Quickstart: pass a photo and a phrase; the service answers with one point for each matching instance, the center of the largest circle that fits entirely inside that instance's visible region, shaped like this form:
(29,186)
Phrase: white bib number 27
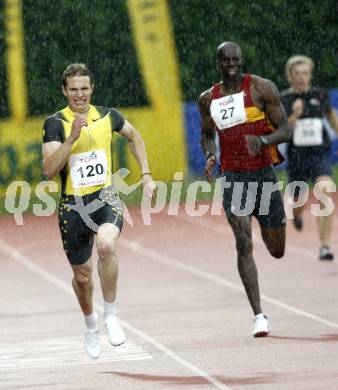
(228,111)
(88,169)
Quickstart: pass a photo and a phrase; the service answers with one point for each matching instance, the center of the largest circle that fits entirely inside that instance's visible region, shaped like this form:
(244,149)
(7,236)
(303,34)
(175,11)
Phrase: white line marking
(171,262)
(57,352)
(23,260)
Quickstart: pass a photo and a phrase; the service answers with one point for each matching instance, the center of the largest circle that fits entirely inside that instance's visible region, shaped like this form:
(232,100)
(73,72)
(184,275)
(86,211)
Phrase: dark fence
(98,33)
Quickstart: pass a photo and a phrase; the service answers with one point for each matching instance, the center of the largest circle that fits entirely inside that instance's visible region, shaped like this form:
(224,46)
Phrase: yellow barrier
(161,124)
(15,59)
(20,151)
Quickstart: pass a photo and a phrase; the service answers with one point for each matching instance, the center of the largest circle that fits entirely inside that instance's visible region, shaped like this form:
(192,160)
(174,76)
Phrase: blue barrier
(196,159)
(334,148)
(334,98)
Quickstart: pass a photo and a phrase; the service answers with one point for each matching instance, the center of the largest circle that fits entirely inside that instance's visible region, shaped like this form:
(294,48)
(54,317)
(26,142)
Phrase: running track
(181,302)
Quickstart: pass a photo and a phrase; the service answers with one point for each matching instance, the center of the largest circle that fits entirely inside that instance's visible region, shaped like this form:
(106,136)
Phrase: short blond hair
(296,60)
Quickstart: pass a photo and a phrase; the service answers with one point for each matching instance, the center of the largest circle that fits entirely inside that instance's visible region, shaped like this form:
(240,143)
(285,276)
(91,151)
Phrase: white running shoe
(261,326)
(115,332)
(92,343)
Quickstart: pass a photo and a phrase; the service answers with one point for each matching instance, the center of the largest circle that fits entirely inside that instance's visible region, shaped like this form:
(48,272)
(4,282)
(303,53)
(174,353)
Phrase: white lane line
(172,262)
(61,351)
(29,264)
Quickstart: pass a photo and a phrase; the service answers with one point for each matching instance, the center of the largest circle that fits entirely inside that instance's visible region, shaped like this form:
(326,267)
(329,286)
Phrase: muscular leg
(107,264)
(83,286)
(298,211)
(297,200)
(108,271)
(241,227)
(324,223)
(274,240)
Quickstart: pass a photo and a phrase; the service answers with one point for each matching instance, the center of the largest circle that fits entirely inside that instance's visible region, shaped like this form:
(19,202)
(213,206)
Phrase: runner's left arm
(333,119)
(138,149)
(273,107)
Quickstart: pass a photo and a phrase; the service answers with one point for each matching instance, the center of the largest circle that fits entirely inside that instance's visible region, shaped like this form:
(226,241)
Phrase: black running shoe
(325,253)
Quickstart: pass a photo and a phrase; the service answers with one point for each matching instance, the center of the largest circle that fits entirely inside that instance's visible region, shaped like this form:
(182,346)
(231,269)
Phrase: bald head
(230,61)
(227,47)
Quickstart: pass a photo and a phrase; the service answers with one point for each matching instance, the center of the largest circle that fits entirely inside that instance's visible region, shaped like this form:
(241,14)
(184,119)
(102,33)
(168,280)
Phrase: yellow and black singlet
(89,166)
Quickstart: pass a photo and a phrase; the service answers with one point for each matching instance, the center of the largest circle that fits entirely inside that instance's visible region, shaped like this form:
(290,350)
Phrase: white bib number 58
(308,132)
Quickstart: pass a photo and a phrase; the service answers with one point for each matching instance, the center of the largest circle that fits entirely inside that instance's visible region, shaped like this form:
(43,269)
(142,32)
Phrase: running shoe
(298,222)
(115,332)
(325,253)
(92,342)
(261,326)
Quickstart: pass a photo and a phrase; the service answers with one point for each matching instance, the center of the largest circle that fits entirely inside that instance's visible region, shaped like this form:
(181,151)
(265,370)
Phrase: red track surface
(187,319)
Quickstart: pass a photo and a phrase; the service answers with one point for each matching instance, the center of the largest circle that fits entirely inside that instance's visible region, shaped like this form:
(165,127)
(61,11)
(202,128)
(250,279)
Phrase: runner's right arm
(55,153)
(207,133)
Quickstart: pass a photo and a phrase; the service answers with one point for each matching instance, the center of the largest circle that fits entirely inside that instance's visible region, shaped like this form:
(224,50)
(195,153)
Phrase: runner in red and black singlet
(234,153)
(246,113)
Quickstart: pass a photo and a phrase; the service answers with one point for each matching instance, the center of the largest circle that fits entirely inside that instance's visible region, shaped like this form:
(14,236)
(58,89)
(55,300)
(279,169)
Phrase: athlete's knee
(274,240)
(105,249)
(277,251)
(106,241)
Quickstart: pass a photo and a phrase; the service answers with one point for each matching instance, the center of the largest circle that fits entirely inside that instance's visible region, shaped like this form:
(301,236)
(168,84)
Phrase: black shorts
(81,216)
(251,193)
(306,166)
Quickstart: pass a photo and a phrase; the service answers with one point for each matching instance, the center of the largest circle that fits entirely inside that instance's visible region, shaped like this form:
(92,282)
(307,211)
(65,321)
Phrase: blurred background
(151,59)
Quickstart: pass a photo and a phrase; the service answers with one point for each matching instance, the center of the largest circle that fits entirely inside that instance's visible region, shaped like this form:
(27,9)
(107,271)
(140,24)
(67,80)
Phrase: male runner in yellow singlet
(77,145)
